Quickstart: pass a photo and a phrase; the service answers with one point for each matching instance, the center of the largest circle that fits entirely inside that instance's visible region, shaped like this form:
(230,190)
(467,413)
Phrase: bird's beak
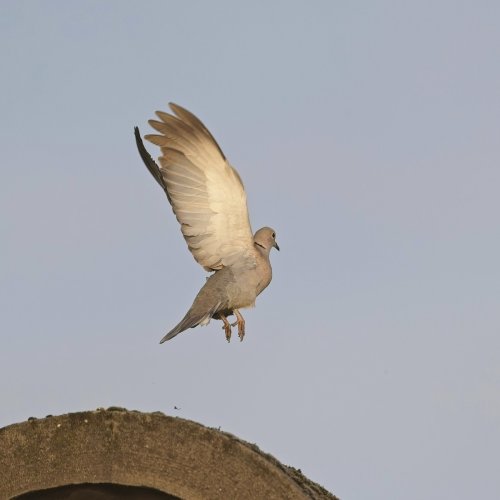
(276,246)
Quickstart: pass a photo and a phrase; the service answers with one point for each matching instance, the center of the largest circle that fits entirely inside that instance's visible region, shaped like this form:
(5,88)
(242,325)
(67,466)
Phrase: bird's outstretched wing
(206,193)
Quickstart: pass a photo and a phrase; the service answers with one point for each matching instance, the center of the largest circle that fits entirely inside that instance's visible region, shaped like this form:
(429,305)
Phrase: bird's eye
(274,235)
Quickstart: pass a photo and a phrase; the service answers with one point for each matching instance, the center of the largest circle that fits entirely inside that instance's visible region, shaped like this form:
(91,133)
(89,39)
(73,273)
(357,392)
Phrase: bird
(209,201)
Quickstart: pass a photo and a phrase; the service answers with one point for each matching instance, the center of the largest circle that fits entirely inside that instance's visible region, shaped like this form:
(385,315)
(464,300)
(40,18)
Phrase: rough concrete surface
(116,448)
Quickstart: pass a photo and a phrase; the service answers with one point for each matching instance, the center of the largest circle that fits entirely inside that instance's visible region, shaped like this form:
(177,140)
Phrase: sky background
(367,134)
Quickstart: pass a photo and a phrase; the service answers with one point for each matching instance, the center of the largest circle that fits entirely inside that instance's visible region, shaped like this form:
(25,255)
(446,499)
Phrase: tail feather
(190,320)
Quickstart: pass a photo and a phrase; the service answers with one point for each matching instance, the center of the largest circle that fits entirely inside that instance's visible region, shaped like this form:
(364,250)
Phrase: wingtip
(176,109)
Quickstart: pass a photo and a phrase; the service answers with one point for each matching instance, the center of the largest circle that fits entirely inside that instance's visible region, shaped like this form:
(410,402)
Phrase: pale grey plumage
(209,201)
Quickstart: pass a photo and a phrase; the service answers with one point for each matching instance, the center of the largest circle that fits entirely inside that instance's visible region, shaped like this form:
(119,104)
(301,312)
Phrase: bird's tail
(190,320)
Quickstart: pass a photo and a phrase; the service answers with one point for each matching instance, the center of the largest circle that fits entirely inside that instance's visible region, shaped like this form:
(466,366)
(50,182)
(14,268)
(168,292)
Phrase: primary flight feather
(209,201)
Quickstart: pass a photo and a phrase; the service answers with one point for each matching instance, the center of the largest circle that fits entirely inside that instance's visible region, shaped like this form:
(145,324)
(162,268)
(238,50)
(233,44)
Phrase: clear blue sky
(367,133)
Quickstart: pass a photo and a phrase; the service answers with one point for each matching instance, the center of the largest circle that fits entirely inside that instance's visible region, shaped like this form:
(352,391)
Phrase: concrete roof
(168,454)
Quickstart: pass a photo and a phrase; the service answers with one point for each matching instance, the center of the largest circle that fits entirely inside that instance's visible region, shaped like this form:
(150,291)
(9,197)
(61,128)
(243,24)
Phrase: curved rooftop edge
(171,455)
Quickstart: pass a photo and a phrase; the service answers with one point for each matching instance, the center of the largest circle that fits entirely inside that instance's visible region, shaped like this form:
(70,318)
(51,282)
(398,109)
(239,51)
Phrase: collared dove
(209,201)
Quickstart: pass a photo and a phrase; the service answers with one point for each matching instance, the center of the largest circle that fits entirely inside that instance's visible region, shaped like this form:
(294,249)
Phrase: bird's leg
(226,327)
(241,324)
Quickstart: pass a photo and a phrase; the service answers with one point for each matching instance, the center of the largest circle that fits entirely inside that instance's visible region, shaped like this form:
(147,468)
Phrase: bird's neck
(262,250)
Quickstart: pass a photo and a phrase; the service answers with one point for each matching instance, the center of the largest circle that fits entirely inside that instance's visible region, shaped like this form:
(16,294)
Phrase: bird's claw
(226,327)
(241,324)
(241,329)
(227,331)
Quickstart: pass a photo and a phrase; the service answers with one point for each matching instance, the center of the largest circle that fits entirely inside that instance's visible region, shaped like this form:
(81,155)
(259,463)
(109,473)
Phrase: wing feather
(206,193)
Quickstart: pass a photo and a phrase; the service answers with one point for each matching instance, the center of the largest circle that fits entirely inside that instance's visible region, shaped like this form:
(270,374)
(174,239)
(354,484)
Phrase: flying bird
(209,201)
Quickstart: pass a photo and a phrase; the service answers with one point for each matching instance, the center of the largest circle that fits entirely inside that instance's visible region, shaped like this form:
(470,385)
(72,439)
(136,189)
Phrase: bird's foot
(241,324)
(227,331)
(226,327)
(241,329)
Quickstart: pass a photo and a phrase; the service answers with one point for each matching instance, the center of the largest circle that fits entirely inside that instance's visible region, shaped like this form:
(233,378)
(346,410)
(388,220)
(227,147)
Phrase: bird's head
(265,237)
